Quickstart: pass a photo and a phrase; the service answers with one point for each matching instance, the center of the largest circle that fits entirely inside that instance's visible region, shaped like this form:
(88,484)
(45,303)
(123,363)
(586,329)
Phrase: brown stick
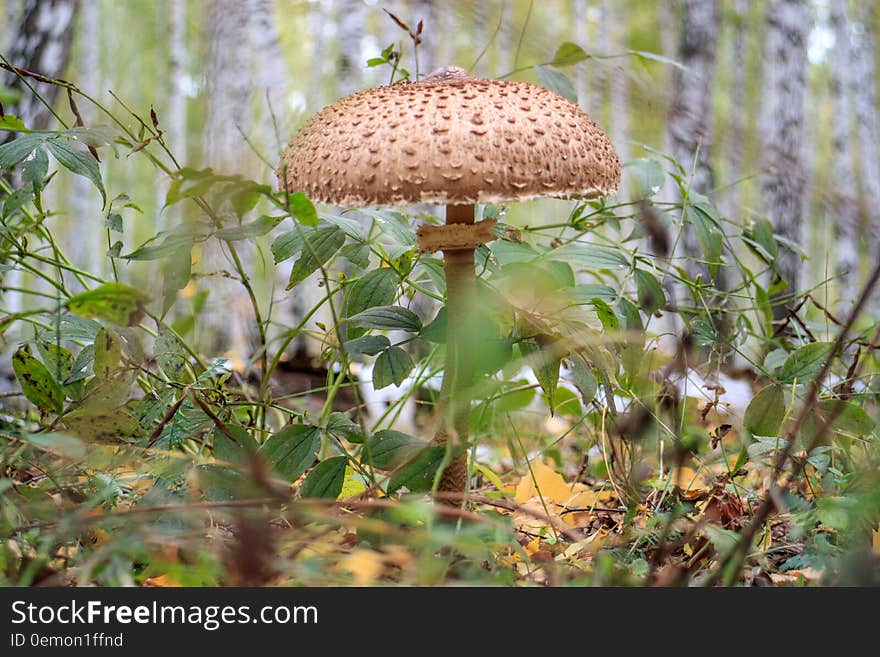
(455,403)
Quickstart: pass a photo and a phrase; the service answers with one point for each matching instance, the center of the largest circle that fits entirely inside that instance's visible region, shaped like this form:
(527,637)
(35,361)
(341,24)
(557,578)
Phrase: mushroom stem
(455,393)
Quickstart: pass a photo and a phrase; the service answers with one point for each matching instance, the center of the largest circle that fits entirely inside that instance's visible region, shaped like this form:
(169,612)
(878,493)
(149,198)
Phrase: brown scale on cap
(451,138)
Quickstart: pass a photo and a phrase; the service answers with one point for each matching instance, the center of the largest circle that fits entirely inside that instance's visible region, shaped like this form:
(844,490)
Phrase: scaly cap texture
(451,138)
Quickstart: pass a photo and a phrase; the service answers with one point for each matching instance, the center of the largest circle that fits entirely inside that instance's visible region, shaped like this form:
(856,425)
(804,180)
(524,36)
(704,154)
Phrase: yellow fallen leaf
(365,565)
(532,546)
(547,484)
(162,581)
(875,535)
(794,576)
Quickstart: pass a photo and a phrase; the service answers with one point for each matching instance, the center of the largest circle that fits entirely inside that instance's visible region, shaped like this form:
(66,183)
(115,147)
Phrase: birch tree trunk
(785,93)
(41,41)
(868,130)
(351,20)
(227,313)
(844,210)
(689,124)
(732,200)
(88,232)
(613,24)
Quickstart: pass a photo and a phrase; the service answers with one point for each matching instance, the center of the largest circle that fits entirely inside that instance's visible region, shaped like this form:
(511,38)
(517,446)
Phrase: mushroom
(453,139)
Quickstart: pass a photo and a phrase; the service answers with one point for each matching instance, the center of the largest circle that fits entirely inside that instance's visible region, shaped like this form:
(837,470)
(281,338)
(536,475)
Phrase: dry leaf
(795,576)
(875,536)
(165,581)
(365,565)
(550,485)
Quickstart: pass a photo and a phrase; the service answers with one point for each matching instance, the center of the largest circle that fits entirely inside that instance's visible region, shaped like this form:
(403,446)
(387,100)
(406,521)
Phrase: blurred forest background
(770,105)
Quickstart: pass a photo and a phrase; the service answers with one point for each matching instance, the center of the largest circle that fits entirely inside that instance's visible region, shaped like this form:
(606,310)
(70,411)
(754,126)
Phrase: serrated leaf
(326,479)
(37,384)
(292,450)
(387,318)
(392,366)
(766,411)
(112,302)
(555,81)
(418,474)
(805,363)
(388,449)
(78,161)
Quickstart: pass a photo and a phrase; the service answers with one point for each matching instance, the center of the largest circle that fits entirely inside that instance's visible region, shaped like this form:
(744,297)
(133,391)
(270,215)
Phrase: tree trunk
(228,77)
(41,43)
(613,23)
(351,20)
(690,125)
(785,92)
(732,201)
(844,210)
(868,130)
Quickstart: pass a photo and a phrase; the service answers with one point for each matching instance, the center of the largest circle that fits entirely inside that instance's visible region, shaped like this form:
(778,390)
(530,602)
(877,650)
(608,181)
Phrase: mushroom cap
(451,138)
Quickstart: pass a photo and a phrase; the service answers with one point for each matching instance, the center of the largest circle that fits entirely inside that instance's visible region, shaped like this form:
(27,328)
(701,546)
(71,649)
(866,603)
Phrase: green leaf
(388,318)
(388,449)
(590,256)
(234,451)
(303,209)
(569,53)
(367,344)
(58,360)
(647,177)
(103,426)
(12,123)
(319,246)
(164,244)
(418,474)
(375,288)
(112,302)
(326,479)
(286,245)
(37,384)
(605,313)
(340,424)
(170,356)
(392,366)
(79,161)
(35,168)
(190,183)
(759,236)
(16,150)
(805,363)
(709,235)
(557,82)
(292,450)
(16,200)
(108,353)
(766,411)
(650,292)
(357,254)
(584,379)
(849,418)
(257,228)
(545,368)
